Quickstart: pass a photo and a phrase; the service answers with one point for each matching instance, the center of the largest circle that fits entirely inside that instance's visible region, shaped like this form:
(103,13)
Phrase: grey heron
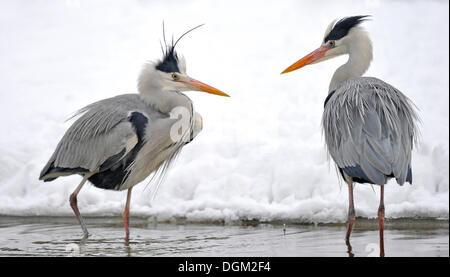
(369,126)
(117,142)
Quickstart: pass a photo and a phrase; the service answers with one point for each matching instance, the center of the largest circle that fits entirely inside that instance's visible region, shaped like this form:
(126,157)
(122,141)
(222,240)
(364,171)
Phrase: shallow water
(61,236)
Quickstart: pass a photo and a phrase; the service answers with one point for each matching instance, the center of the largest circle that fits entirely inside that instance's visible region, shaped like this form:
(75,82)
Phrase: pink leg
(351,216)
(126,214)
(381,221)
(73,204)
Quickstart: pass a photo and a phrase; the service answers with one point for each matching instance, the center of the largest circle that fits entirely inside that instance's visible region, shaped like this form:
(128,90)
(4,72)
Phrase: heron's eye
(175,77)
(332,43)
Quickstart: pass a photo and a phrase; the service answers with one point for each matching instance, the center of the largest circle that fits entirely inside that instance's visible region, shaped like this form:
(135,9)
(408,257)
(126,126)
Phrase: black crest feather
(343,26)
(169,62)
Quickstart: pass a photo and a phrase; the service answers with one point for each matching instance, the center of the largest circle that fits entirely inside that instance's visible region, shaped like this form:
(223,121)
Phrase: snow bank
(261,154)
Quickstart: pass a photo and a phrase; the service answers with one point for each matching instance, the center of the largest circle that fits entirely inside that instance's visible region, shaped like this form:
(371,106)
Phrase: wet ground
(61,236)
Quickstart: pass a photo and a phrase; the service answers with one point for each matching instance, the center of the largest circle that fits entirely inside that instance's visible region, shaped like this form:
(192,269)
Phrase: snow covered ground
(261,154)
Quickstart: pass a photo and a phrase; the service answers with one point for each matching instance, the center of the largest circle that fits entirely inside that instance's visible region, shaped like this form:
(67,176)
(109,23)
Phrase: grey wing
(369,131)
(93,143)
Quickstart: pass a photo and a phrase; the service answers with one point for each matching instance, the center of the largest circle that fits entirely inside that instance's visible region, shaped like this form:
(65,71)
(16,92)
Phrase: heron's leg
(381,221)
(351,214)
(73,204)
(126,213)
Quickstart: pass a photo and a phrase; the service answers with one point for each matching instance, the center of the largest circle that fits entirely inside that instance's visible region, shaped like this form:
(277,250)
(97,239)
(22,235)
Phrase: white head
(161,82)
(169,75)
(342,37)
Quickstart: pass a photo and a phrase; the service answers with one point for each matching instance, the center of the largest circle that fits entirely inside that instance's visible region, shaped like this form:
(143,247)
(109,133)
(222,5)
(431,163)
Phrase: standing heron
(117,142)
(369,125)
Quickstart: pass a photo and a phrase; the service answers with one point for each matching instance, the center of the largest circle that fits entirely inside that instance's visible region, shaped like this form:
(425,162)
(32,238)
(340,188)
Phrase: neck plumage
(360,55)
(154,94)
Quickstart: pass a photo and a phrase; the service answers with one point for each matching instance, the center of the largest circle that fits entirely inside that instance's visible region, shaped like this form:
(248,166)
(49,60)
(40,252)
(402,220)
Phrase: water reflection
(108,239)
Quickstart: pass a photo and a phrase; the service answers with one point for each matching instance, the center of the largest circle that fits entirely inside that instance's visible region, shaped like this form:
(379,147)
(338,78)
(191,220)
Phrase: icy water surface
(61,236)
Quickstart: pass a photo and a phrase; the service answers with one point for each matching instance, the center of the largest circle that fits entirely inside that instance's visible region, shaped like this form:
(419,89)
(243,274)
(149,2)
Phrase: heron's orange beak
(204,87)
(308,59)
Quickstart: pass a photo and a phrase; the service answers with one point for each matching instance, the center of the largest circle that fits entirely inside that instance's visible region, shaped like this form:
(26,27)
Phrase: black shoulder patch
(343,26)
(139,122)
(169,63)
(114,171)
(328,98)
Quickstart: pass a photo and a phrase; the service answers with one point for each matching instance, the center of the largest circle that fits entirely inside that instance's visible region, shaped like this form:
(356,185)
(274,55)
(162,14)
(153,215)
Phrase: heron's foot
(349,248)
(126,223)
(84,237)
(350,222)
(127,246)
(127,240)
(381,222)
(381,226)
(83,240)
(381,244)
(127,237)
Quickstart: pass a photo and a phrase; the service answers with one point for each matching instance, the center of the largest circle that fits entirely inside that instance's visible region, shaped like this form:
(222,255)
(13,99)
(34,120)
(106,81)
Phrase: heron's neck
(166,101)
(360,56)
(155,95)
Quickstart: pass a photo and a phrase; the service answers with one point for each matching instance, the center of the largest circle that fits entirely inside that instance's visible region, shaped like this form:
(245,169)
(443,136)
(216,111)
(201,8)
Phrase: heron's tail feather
(50,172)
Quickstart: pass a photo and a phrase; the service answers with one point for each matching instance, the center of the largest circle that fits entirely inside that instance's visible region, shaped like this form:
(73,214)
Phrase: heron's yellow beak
(203,87)
(312,57)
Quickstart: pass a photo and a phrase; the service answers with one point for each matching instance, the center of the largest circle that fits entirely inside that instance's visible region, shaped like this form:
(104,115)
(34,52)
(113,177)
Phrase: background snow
(261,154)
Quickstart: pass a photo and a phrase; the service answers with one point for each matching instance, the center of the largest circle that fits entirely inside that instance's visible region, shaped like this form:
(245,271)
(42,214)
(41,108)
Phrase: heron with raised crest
(118,142)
